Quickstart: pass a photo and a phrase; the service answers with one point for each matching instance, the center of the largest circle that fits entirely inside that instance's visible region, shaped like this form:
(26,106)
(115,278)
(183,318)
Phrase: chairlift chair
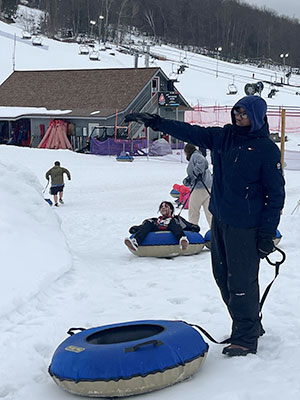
(84,49)
(37,41)
(232,89)
(26,35)
(94,56)
(272,92)
(181,69)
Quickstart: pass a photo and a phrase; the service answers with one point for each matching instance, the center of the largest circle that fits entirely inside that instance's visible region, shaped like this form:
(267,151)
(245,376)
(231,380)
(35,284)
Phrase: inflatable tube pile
(128,358)
(164,244)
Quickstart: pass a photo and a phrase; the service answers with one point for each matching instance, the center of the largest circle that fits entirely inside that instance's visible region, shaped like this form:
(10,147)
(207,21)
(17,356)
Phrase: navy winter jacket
(248,186)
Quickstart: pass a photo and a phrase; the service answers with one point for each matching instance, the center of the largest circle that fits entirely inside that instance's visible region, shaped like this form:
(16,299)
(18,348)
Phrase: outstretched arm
(193,134)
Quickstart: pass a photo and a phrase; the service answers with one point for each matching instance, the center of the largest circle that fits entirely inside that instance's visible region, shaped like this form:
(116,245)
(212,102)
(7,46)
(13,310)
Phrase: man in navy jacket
(246,200)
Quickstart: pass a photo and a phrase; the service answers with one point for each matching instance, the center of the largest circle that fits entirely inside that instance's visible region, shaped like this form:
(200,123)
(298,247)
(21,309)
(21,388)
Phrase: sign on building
(168,99)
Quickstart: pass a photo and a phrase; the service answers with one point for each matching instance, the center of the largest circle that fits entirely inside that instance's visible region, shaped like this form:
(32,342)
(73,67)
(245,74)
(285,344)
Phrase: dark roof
(83,91)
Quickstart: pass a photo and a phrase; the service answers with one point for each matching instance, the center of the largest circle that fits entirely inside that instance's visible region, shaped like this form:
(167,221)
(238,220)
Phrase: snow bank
(30,236)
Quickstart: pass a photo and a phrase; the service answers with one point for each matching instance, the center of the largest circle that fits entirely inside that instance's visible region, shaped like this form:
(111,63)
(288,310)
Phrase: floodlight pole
(92,23)
(284,56)
(100,19)
(219,49)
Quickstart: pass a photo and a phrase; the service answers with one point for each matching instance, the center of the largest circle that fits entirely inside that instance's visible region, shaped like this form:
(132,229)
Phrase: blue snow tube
(207,239)
(277,238)
(125,158)
(164,244)
(128,358)
(174,193)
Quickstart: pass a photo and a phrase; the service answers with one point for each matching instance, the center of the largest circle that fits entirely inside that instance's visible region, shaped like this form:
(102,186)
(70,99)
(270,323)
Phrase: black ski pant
(150,226)
(235,263)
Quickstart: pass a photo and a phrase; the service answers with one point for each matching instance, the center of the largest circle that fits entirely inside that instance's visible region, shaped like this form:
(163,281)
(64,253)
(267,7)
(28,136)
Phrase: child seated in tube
(167,221)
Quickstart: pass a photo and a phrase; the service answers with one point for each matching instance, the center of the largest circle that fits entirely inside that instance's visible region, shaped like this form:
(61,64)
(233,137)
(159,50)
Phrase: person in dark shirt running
(57,181)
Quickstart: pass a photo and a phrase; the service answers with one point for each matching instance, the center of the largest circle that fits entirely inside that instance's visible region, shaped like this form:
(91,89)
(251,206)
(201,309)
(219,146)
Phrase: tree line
(239,29)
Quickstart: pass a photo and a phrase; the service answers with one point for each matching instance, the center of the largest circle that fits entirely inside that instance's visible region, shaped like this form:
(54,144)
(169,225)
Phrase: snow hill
(197,83)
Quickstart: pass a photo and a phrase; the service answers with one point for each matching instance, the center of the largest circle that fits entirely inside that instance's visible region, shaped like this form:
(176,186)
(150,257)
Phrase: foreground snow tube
(164,244)
(276,240)
(128,358)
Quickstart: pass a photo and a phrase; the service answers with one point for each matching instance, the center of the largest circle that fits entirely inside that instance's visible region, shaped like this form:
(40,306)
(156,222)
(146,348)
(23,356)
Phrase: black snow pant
(150,226)
(235,263)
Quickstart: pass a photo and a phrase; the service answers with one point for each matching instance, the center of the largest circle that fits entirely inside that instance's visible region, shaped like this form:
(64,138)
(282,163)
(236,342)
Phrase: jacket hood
(256,109)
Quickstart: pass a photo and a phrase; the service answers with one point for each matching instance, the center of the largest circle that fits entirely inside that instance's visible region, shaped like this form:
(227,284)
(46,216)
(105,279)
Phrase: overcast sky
(291,8)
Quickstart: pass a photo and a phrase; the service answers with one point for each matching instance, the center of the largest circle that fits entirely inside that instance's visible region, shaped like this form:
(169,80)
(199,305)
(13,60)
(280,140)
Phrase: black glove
(149,120)
(134,229)
(265,244)
(187,181)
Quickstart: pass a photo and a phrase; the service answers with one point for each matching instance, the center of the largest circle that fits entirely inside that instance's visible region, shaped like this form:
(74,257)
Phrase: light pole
(284,56)
(92,22)
(219,49)
(100,26)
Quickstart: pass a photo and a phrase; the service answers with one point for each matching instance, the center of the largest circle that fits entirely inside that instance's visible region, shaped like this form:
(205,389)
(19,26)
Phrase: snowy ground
(68,267)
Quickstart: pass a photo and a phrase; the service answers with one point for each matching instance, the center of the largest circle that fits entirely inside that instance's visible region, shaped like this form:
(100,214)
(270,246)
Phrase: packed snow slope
(68,267)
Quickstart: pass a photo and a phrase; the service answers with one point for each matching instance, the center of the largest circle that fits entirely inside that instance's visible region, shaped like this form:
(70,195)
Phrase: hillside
(204,81)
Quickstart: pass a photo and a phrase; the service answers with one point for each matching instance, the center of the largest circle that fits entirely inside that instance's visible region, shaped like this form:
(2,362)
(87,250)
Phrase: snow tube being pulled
(128,358)
(164,244)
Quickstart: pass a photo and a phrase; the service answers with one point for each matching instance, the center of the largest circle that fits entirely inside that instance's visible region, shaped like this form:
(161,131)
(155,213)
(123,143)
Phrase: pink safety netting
(220,115)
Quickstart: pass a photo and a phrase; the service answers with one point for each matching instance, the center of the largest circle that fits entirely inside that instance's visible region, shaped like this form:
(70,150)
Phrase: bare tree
(120,13)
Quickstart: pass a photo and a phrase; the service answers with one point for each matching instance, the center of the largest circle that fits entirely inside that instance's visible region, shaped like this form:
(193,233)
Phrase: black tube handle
(71,330)
(277,262)
(155,343)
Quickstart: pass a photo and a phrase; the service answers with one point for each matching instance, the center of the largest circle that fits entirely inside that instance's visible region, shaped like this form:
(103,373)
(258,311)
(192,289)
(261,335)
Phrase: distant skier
(57,181)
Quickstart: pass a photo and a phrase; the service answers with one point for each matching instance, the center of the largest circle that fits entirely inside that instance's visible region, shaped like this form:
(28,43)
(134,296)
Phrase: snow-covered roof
(17,112)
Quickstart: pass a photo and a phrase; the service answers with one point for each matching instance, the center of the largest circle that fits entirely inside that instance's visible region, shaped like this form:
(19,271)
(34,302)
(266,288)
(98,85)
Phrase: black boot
(237,351)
